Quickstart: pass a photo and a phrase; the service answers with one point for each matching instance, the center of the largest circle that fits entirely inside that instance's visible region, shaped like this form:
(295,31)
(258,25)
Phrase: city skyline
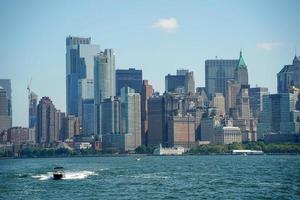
(172,42)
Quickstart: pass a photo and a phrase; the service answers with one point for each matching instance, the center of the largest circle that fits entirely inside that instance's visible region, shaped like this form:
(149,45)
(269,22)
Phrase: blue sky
(156,36)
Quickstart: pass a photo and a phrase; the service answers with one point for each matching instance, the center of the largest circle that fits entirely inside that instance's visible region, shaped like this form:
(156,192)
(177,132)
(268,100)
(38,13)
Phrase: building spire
(241,63)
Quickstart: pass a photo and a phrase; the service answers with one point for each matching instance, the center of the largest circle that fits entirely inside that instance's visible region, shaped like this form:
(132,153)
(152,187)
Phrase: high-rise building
(147,92)
(79,65)
(156,120)
(241,71)
(256,100)
(46,122)
(33,101)
(6,85)
(111,112)
(217,73)
(189,83)
(88,117)
(183,82)
(85,92)
(279,115)
(289,76)
(60,125)
(232,91)
(72,126)
(131,114)
(219,103)
(182,72)
(181,131)
(242,103)
(131,77)
(104,82)
(174,83)
(5,117)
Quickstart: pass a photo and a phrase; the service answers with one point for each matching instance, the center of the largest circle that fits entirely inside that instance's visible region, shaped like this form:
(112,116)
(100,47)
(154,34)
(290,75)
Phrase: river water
(153,177)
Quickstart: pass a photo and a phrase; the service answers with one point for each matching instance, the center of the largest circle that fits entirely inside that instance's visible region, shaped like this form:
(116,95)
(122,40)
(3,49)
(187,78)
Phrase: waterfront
(153,177)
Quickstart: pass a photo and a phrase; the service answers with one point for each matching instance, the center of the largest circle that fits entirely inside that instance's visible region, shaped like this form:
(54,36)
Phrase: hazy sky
(155,36)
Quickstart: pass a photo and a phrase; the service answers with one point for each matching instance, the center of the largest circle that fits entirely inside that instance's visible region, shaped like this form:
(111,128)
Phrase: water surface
(153,177)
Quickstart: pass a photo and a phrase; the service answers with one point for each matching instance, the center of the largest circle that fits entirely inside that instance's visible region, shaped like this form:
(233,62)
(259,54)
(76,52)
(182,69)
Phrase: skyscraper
(219,103)
(256,100)
(289,76)
(131,114)
(88,117)
(131,77)
(104,82)
(217,73)
(242,103)
(147,92)
(241,71)
(33,101)
(183,82)
(46,122)
(189,83)
(111,109)
(5,118)
(6,85)
(279,115)
(79,65)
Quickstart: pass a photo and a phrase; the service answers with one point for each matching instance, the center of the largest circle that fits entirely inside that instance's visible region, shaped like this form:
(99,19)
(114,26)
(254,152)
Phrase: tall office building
(289,76)
(279,115)
(72,126)
(232,91)
(5,117)
(256,100)
(104,82)
(241,71)
(111,110)
(79,65)
(85,92)
(147,92)
(174,83)
(217,73)
(46,122)
(156,120)
(181,131)
(181,72)
(6,85)
(243,103)
(131,77)
(183,82)
(59,125)
(189,83)
(219,103)
(88,117)
(131,114)
(33,101)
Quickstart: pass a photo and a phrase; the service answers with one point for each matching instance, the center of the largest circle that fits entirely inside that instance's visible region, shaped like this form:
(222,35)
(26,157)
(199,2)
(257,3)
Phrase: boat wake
(69,175)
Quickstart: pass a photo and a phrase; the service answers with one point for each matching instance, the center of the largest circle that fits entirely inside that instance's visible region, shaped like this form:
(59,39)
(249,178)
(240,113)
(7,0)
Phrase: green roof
(242,63)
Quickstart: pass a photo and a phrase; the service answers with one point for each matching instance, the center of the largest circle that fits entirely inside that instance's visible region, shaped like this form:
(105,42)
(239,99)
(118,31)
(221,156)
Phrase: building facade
(217,73)
(46,122)
(104,82)
(131,77)
(289,76)
(147,92)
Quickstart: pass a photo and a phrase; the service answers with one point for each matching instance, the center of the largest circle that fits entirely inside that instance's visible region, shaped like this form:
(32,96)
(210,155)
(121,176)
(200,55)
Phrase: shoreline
(144,155)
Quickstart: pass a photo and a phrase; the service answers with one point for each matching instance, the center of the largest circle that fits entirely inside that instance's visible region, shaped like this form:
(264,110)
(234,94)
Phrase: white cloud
(268,46)
(169,24)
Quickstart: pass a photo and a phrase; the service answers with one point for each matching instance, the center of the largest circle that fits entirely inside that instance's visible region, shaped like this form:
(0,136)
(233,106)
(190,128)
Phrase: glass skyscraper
(131,77)
(104,82)
(79,65)
(217,73)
